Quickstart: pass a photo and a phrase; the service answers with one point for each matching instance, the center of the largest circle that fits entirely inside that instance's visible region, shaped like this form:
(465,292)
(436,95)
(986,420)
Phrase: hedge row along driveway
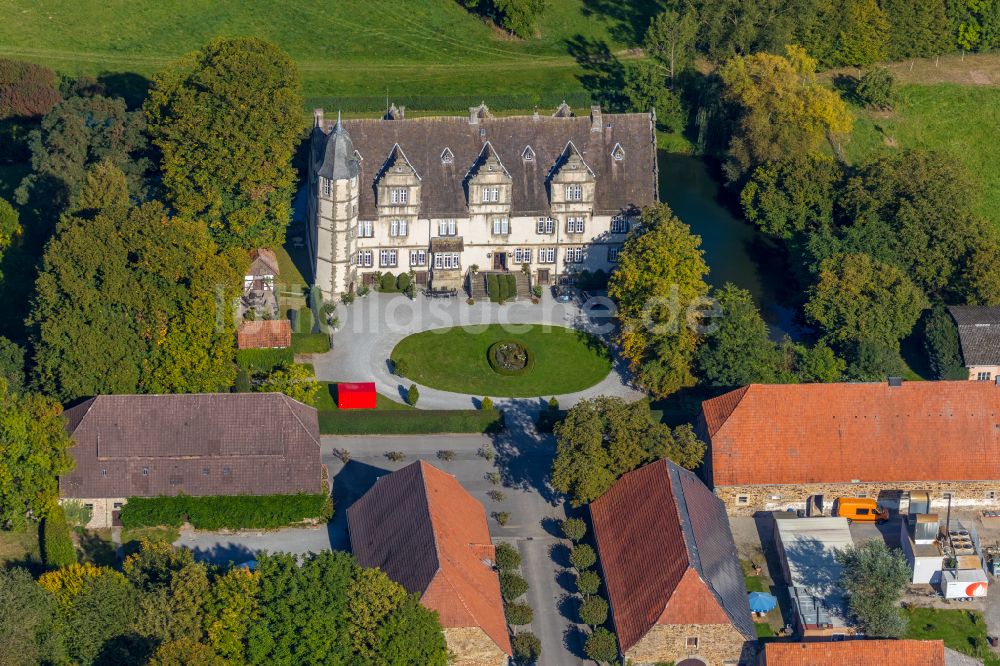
(455,359)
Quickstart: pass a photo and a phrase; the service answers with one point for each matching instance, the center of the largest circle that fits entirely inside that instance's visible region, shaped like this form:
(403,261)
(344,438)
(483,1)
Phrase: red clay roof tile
(856,653)
(266,334)
(842,433)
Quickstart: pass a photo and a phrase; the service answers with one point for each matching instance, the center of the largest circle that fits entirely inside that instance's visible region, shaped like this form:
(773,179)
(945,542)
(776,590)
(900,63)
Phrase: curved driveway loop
(372,326)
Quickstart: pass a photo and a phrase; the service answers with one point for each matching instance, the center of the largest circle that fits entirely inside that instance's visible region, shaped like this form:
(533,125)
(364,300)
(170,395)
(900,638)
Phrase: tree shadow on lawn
(629,20)
(603,74)
(350,483)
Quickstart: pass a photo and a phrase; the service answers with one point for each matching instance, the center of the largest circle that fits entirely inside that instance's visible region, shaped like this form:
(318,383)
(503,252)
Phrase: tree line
(165,609)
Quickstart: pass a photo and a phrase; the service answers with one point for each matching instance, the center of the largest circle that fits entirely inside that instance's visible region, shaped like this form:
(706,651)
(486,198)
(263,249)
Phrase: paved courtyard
(372,326)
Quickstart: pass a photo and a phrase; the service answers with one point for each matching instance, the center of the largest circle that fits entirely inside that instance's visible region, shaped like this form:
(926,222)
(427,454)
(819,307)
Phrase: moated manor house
(437,196)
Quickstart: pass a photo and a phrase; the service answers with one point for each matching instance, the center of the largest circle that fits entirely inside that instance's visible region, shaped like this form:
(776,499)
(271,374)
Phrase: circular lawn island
(491,360)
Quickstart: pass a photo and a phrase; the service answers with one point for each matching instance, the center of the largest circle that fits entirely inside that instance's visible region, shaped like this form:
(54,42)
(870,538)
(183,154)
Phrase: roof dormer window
(447,157)
(528,155)
(618,153)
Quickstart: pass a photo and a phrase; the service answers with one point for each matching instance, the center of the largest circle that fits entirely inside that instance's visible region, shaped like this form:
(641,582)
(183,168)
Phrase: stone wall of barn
(747,500)
(714,644)
(471,646)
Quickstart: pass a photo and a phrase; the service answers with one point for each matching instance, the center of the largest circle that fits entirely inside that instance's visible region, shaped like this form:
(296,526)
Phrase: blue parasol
(762,602)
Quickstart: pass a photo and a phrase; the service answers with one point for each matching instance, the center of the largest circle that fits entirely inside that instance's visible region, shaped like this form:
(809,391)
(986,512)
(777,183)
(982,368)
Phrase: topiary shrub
(412,395)
(305,320)
(486,403)
(583,557)
(512,585)
(588,582)
(403,282)
(602,646)
(518,613)
(553,404)
(57,547)
(527,647)
(574,529)
(493,288)
(507,557)
(399,367)
(511,286)
(387,283)
(593,611)
(242,384)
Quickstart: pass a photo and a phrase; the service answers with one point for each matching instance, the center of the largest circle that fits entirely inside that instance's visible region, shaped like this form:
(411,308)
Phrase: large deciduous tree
(917,29)
(738,350)
(792,196)
(859,298)
(781,108)
(670,40)
(226,119)
(132,300)
(874,578)
(601,439)
(27,632)
(33,453)
(658,281)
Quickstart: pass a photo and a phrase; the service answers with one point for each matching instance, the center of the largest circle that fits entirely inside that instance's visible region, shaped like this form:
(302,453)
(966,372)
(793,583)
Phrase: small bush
(403,282)
(225,511)
(242,383)
(518,613)
(527,647)
(512,585)
(387,283)
(412,395)
(602,646)
(363,290)
(77,514)
(446,455)
(57,547)
(574,529)
(305,320)
(507,557)
(486,451)
(877,89)
(395,456)
(502,517)
(329,309)
(588,582)
(593,611)
(553,404)
(343,455)
(537,291)
(497,495)
(583,557)
(486,403)
(494,478)
(348,297)
(399,367)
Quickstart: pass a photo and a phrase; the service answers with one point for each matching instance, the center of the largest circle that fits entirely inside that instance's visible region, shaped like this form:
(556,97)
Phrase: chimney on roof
(595,118)
(318,117)
(895,381)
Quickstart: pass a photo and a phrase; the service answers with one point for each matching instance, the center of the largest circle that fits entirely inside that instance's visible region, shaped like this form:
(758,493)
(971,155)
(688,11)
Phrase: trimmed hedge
(232,512)
(387,283)
(499,369)
(409,422)
(264,360)
(57,547)
(511,282)
(310,343)
(403,281)
(493,288)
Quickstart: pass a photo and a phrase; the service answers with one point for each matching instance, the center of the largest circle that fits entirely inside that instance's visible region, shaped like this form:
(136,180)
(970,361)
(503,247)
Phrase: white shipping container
(964,583)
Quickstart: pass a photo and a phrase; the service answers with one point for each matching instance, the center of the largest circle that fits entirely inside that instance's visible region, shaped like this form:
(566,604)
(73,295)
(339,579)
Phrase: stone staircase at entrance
(477,284)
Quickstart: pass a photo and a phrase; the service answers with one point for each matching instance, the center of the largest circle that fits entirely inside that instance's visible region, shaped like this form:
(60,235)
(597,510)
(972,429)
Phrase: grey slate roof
(339,161)
(978,333)
(710,545)
(249,444)
(620,184)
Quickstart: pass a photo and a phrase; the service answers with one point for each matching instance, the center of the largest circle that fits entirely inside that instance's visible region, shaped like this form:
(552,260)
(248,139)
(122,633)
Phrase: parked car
(860,510)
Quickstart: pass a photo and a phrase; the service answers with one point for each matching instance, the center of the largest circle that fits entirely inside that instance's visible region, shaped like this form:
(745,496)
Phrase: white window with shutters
(418,257)
(327,187)
(613,254)
(490,194)
(501,226)
(399,195)
(619,224)
(574,193)
(545,225)
(574,255)
(398,228)
(387,258)
(447,228)
(365,258)
(366,229)
(574,225)
(547,255)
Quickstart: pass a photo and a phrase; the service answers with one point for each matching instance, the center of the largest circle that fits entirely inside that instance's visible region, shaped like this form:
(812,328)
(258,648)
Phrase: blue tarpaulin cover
(762,602)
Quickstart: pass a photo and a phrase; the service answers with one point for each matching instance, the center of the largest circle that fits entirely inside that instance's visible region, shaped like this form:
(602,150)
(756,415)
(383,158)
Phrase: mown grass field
(429,54)
(961,630)
(961,120)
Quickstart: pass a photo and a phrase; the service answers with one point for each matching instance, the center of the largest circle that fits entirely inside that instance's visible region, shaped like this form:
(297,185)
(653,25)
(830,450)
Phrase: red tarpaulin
(357,395)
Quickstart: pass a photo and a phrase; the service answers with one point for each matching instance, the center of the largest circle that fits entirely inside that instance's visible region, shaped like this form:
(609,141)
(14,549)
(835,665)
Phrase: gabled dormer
(571,182)
(397,185)
(488,183)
